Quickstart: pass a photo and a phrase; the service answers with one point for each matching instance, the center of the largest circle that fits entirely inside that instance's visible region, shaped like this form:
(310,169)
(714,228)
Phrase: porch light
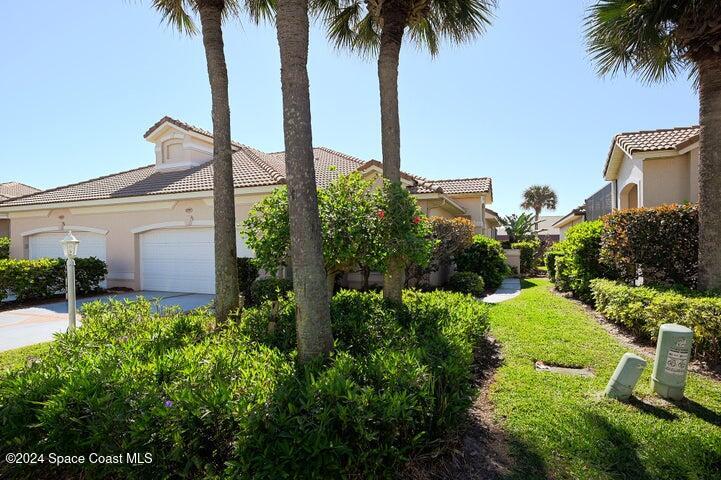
(70,249)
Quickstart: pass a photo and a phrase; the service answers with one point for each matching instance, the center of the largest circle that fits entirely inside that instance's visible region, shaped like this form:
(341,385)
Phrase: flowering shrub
(660,244)
(45,277)
(644,309)
(486,258)
(233,403)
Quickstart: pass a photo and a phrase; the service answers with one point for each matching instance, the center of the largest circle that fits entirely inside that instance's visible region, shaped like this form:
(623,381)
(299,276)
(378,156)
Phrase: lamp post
(70,249)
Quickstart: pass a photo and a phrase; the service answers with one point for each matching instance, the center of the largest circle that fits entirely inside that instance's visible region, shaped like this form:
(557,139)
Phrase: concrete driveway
(27,326)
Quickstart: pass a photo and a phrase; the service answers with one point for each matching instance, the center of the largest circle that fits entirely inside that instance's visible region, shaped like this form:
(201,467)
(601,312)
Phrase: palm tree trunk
(710,174)
(226,270)
(313,326)
(388,58)
(538,218)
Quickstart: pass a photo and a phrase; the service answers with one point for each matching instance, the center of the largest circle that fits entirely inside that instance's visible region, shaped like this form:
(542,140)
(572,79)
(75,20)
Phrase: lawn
(562,427)
(18,357)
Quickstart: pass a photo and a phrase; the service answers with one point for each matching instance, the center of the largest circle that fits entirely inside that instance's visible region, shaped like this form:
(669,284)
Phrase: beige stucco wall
(562,230)
(122,245)
(4,227)
(666,180)
(694,156)
(630,172)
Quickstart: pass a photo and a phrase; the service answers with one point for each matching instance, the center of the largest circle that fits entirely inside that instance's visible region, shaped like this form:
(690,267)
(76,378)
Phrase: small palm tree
(518,227)
(657,39)
(538,197)
(179,14)
(378,27)
(313,325)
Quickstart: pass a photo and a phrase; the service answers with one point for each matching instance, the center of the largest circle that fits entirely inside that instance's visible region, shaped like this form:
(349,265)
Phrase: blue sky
(81,81)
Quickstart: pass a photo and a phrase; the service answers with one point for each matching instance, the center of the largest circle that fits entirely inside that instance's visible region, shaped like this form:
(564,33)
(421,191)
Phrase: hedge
(269,288)
(644,309)
(45,277)
(233,402)
(659,244)
(486,258)
(466,282)
(577,261)
(4,248)
(529,252)
(247,274)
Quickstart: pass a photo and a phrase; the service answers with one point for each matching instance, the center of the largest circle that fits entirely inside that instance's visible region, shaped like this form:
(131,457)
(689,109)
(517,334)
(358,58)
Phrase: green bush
(550,260)
(577,262)
(486,258)
(232,403)
(660,244)
(529,251)
(466,282)
(269,288)
(4,248)
(644,309)
(247,274)
(45,277)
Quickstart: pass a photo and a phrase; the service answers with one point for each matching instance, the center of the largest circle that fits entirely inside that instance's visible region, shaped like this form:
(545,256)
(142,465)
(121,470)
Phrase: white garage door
(44,245)
(180,259)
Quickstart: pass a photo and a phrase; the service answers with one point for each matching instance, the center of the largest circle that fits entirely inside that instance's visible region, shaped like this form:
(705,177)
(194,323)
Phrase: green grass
(18,357)
(562,427)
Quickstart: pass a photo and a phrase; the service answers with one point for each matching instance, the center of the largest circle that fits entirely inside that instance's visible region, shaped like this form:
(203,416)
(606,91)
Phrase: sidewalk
(510,288)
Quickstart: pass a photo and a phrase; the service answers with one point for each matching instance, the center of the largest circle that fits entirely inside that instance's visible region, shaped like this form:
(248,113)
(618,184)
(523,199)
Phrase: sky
(81,81)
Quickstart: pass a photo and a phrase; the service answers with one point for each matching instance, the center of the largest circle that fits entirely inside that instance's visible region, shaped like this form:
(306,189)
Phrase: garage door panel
(47,245)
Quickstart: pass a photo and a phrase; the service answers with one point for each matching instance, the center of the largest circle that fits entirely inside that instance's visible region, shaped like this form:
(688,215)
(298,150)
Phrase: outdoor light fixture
(70,249)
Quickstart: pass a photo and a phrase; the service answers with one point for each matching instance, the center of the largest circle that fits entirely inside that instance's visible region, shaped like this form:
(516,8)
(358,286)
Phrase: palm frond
(176,14)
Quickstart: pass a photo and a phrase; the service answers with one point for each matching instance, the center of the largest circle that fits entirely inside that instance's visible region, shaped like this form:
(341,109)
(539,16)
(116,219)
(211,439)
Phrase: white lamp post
(70,249)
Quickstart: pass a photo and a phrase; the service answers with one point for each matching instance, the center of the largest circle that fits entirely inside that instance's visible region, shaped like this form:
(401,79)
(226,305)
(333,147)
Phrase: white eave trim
(65,228)
(175,224)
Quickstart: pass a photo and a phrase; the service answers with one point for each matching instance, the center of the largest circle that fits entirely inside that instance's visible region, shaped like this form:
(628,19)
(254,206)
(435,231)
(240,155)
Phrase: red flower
(416,220)
(381,214)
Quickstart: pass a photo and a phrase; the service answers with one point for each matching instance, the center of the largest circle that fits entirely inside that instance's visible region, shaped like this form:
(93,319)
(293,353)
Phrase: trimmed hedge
(660,244)
(486,258)
(644,309)
(577,261)
(550,260)
(4,248)
(45,277)
(529,252)
(233,403)
(466,282)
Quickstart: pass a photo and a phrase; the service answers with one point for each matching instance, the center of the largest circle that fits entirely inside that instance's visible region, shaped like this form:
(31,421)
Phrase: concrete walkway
(510,288)
(31,325)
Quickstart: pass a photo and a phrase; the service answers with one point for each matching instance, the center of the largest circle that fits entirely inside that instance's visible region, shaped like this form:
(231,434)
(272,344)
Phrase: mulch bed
(478,449)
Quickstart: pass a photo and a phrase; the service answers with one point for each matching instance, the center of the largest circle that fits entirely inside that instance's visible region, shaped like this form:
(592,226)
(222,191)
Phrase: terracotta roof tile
(251,168)
(16,189)
(651,140)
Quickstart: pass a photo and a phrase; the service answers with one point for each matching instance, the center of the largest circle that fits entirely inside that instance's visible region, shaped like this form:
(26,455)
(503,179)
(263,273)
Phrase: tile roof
(15,189)
(251,168)
(652,140)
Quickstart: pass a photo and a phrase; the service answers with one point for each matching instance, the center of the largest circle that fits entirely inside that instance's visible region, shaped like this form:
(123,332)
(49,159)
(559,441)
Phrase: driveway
(27,326)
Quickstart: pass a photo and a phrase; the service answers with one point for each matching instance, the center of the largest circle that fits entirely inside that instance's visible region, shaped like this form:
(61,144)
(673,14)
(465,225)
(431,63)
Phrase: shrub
(644,309)
(486,258)
(451,236)
(247,274)
(232,403)
(270,288)
(4,248)
(45,277)
(660,244)
(578,260)
(466,282)
(529,251)
(550,260)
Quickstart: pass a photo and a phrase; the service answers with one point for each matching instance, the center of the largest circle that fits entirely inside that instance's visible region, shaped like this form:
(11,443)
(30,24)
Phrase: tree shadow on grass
(699,411)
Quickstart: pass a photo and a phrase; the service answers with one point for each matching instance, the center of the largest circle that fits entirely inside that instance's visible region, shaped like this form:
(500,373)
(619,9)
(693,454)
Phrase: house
(594,207)
(153,225)
(654,167)
(10,190)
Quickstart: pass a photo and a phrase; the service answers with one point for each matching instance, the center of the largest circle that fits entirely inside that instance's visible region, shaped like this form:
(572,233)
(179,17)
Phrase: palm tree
(179,13)
(538,197)
(657,39)
(377,27)
(518,227)
(313,327)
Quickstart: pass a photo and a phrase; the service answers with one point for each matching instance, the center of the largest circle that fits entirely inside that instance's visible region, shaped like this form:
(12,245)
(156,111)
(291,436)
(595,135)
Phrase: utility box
(673,352)
(625,377)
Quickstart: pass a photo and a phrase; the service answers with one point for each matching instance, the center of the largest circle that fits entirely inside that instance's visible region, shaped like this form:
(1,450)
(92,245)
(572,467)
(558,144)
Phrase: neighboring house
(594,207)
(10,190)
(493,222)
(153,225)
(651,168)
